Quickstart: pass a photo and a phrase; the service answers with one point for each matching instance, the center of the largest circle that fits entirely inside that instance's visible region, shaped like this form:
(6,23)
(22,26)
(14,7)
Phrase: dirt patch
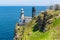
(58,28)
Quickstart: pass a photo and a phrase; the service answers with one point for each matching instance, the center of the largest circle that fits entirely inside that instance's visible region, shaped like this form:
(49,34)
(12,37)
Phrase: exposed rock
(50,21)
(42,24)
(17,28)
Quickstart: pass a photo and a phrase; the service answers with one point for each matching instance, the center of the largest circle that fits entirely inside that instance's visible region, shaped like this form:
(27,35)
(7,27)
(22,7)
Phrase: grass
(56,22)
(51,34)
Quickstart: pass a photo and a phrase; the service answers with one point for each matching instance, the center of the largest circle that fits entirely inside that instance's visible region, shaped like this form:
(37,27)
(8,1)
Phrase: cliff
(45,26)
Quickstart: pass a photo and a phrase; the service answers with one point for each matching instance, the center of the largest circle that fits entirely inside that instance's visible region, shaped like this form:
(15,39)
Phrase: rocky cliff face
(45,26)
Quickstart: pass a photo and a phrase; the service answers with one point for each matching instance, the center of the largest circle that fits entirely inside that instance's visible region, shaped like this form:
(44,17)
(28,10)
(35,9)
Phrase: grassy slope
(52,34)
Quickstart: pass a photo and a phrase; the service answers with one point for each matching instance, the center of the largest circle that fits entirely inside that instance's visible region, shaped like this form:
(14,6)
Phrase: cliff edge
(45,26)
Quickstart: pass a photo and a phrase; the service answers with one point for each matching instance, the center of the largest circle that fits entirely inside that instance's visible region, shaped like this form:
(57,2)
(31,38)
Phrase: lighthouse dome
(22,10)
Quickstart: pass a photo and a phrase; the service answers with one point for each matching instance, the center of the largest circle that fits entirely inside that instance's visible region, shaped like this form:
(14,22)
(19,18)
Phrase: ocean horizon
(9,16)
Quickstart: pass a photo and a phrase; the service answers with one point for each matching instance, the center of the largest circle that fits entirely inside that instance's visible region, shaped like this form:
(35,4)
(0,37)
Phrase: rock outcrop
(41,27)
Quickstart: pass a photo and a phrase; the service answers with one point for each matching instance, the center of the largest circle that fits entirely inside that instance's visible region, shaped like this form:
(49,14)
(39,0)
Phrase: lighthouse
(22,16)
(25,19)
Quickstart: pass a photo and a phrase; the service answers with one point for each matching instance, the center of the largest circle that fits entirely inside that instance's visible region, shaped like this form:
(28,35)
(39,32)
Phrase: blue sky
(28,2)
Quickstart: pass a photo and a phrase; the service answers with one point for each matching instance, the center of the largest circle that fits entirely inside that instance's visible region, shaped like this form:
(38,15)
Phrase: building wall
(54,7)
(27,19)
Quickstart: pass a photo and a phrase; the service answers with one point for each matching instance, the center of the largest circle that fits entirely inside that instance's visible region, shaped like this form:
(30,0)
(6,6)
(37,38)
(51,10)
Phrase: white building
(27,19)
(55,7)
(24,19)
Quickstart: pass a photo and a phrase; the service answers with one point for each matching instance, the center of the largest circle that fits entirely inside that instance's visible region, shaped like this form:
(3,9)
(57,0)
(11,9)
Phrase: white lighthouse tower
(22,18)
(22,14)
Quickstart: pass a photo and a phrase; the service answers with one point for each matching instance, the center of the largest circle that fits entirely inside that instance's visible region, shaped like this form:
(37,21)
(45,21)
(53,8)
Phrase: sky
(28,2)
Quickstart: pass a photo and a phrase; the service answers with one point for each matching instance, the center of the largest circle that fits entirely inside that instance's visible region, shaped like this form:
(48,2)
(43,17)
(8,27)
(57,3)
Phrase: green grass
(51,34)
(43,36)
(56,22)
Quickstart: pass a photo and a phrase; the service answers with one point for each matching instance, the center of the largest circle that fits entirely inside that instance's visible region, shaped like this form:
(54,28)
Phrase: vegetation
(45,26)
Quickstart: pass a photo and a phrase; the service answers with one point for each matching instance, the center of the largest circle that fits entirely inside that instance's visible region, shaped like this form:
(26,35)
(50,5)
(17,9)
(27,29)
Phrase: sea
(9,16)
